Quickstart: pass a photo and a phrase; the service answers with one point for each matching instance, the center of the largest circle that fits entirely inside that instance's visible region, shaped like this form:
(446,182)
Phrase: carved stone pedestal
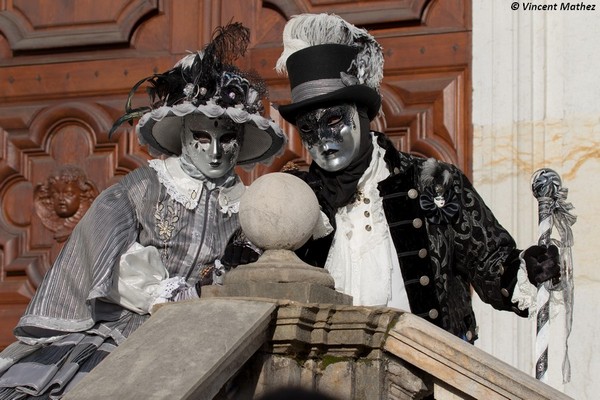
(278,213)
(279,274)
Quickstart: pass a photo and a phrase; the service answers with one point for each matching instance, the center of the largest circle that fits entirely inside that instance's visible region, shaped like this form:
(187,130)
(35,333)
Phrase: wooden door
(66,67)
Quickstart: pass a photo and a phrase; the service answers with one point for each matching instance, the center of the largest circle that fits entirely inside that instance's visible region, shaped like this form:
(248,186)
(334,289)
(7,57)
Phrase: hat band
(308,90)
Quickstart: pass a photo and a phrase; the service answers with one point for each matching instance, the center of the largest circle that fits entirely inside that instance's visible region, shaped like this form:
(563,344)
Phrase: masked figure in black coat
(403,231)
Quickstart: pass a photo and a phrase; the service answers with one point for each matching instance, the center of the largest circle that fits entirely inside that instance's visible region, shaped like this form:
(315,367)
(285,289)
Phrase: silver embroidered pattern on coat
(166,218)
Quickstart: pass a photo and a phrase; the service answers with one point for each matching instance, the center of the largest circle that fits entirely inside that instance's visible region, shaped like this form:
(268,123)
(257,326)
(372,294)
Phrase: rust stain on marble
(506,151)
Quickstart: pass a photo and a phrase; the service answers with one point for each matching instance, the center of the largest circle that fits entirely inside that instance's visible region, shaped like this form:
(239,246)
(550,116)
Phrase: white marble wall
(536,103)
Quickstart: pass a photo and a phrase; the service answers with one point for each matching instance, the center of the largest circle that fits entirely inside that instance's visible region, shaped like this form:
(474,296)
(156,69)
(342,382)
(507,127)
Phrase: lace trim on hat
(213,110)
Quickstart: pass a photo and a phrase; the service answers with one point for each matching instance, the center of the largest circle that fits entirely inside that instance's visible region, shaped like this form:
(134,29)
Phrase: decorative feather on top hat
(207,82)
(329,60)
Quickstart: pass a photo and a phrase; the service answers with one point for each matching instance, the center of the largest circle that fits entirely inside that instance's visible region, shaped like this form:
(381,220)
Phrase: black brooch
(438,200)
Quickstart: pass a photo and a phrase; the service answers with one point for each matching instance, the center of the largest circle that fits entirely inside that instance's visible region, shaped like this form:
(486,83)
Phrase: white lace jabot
(362,258)
(187,190)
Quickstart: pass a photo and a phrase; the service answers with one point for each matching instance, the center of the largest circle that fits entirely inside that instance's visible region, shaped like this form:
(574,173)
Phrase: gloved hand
(192,292)
(237,254)
(543,263)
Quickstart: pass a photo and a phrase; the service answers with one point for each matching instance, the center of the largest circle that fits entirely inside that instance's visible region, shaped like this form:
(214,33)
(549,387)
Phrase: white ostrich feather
(306,30)
(187,61)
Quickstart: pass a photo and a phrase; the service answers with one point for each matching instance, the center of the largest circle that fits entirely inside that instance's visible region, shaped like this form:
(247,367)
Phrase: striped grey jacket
(138,208)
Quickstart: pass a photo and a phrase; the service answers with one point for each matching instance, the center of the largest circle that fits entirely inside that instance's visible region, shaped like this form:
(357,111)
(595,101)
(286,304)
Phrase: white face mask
(331,135)
(212,145)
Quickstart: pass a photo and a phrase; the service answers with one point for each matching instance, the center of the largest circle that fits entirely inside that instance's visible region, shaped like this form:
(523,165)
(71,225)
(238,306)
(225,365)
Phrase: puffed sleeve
(484,250)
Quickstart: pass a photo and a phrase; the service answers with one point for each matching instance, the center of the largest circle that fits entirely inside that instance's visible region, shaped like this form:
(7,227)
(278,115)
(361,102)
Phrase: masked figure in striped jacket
(157,235)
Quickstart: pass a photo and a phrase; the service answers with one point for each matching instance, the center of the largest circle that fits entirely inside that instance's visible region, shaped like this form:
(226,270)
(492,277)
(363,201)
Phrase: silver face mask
(331,135)
(212,145)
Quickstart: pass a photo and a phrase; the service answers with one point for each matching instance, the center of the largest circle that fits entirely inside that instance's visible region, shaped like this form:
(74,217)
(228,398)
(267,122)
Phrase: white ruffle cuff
(141,280)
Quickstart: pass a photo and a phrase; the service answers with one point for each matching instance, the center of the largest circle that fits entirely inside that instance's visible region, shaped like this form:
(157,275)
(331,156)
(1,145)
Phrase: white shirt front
(362,258)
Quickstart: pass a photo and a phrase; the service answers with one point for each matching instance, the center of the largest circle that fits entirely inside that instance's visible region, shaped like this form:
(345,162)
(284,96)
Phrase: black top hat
(328,60)
(321,75)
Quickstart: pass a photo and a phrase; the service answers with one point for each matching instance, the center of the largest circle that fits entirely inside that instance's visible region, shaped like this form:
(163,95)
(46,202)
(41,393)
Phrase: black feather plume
(203,72)
(130,113)
(229,43)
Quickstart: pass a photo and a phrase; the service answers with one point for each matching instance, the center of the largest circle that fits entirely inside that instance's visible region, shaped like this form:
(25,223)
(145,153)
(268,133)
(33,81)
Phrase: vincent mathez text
(565,6)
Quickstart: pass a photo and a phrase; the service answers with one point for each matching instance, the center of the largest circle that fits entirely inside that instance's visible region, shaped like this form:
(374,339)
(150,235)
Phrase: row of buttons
(418,223)
(368,227)
(424,280)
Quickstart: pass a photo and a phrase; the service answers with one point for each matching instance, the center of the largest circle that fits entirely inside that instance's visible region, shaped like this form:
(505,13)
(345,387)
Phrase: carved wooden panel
(420,112)
(357,12)
(65,75)
(42,24)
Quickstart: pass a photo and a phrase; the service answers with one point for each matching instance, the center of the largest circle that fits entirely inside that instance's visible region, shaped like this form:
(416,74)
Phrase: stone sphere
(279,211)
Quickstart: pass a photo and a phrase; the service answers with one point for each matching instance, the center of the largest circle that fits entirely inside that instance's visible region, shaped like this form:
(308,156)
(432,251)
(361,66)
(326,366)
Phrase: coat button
(366,200)
(367,214)
(504,292)
(424,280)
(469,336)
(417,223)
(433,313)
(413,194)
(422,253)
(396,171)
(368,228)
(501,270)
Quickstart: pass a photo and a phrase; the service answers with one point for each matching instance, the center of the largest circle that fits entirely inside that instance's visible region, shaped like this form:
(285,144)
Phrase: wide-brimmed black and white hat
(329,61)
(207,82)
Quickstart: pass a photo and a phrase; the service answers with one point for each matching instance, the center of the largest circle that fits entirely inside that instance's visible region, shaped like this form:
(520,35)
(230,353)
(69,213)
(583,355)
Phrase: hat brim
(359,94)
(161,131)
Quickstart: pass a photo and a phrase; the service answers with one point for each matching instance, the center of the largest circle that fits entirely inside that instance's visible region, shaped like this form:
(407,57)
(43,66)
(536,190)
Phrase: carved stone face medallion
(66,197)
(62,200)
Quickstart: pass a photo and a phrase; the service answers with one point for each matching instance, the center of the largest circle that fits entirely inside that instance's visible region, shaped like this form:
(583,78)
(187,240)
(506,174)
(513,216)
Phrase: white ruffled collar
(187,190)
(377,170)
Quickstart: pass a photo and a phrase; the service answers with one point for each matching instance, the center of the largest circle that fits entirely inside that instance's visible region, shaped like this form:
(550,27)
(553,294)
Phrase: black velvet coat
(442,251)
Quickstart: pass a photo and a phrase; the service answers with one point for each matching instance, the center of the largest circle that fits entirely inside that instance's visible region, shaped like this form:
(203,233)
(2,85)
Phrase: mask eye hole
(334,120)
(304,128)
(202,137)
(228,138)
(304,124)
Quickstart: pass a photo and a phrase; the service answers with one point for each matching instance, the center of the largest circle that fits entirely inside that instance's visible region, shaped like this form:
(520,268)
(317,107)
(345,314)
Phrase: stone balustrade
(242,348)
